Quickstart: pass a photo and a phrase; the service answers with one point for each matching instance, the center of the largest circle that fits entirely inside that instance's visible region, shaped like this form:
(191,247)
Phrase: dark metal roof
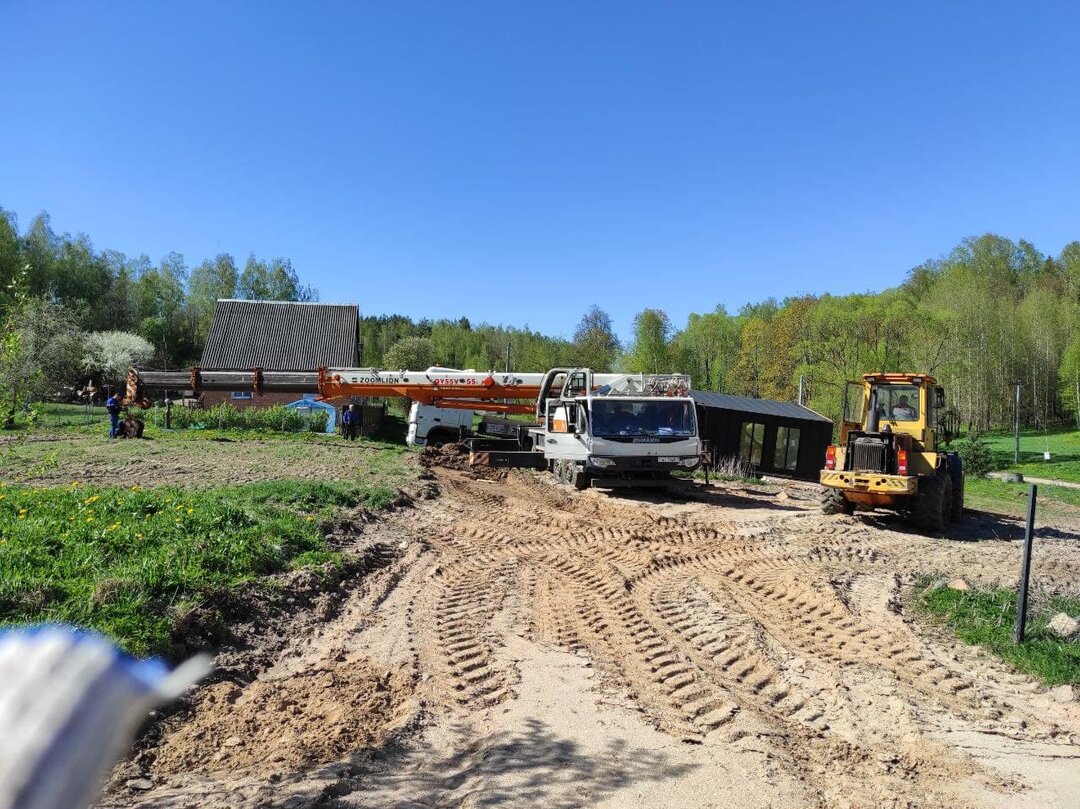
(744,404)
(281,336)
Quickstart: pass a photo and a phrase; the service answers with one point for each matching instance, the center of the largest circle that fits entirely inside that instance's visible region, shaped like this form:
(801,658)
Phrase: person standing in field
(348,423)
(114,405)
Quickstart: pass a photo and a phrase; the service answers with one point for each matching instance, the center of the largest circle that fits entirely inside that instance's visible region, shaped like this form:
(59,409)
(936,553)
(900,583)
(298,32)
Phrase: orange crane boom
(466,390)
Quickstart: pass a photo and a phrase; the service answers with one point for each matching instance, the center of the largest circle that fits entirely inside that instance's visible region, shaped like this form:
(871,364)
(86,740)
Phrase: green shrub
(226,417)
(975,454)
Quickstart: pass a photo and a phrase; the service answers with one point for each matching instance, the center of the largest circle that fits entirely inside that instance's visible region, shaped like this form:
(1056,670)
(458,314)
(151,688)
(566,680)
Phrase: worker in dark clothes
(348,423)
(114,405)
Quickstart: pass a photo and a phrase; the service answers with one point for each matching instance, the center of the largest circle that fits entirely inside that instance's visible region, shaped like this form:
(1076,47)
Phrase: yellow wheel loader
(888,457)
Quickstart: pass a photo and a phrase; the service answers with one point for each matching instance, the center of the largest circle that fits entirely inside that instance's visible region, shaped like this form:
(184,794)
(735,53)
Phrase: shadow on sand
(531,768)
(976,526)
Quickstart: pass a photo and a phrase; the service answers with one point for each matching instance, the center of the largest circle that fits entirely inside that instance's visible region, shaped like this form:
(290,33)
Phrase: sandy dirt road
(517,642)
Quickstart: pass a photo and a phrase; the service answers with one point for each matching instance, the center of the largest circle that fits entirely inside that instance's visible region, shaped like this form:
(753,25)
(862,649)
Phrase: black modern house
(776,438)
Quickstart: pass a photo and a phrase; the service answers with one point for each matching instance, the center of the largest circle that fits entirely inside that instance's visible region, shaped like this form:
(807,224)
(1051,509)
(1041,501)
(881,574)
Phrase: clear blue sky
(516,162)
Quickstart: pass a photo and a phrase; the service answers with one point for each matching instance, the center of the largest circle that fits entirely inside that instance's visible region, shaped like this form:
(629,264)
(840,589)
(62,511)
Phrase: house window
(787,448)
(750,447)
(242,394)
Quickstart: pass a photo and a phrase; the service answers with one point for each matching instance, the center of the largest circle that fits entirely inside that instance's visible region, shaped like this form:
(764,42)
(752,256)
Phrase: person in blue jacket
(114,404)
(348,423)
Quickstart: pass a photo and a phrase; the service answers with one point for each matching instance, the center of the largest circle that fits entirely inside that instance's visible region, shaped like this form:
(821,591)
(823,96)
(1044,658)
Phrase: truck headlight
(603,463)
(690,463)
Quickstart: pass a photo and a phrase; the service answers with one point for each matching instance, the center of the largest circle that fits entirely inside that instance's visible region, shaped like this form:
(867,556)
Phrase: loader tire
(834,502)
(933,503)
(957,506)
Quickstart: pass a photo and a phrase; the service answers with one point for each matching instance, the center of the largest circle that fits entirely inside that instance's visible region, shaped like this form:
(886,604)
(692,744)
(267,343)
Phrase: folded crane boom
(436,386)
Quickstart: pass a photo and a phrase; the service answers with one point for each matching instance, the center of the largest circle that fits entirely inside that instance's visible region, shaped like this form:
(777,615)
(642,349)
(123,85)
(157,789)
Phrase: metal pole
(1025,568)
(507,356)
(1017,456)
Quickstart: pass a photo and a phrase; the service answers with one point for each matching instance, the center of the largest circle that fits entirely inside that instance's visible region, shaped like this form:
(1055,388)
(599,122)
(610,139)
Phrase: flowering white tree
(110,353)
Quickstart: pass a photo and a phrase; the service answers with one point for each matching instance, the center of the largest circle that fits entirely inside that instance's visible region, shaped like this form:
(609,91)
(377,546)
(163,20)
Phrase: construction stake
(1025,568)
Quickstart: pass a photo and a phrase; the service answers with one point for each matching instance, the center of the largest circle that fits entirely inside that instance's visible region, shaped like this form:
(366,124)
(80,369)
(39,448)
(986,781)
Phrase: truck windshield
(650,417)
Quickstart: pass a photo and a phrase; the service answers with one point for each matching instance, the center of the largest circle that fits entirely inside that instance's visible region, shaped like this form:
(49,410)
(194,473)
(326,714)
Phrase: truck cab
(431,425)
(618,430)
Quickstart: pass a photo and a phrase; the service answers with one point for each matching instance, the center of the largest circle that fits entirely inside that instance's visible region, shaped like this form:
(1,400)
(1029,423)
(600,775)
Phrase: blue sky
(515,163)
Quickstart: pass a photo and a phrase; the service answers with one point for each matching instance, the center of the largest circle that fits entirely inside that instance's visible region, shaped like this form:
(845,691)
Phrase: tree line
(990,314)
(987,315)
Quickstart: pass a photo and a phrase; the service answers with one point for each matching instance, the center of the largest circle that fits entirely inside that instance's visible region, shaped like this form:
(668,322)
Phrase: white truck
(617,430)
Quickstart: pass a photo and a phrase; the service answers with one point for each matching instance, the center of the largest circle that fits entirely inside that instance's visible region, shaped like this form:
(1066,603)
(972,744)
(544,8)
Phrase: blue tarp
(311,405)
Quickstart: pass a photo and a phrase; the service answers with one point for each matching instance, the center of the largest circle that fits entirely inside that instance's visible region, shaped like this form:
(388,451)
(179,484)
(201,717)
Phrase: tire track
(720,628)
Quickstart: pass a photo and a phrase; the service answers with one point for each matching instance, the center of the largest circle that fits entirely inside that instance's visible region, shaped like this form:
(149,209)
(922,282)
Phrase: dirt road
(518,642)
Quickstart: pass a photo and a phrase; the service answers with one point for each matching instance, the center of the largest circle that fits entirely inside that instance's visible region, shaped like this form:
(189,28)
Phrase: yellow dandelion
(2,496)
(310,518)
(89,519)
(22,510)
(138,536)
(191,511)
(92,499)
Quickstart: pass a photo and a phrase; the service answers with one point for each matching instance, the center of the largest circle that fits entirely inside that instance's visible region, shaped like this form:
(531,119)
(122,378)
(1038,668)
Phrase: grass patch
(986,618)
(989,494)
(127,561)
(1064,447)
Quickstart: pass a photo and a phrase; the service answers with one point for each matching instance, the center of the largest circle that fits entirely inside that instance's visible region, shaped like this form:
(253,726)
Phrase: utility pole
(1016,459)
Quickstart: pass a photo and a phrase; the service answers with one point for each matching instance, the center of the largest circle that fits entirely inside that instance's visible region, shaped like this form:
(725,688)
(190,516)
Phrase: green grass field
(1063,445)
(127,536)
(986,618)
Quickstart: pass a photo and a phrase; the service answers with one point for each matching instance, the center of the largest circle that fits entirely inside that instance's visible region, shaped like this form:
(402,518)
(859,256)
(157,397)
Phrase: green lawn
(126,537)
(986,618)
(1011,498)
(1064,447)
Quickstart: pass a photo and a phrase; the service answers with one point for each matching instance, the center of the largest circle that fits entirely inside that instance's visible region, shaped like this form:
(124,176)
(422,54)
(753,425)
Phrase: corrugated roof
(281,336)
(745,404)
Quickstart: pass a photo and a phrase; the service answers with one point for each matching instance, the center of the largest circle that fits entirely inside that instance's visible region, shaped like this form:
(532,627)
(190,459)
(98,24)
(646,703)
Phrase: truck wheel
(834,502)
(579,478)
(957,506)
(931,508)
(436,438)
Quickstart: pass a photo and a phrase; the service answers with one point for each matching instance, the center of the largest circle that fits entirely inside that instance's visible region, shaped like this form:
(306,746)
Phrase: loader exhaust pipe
(872,416)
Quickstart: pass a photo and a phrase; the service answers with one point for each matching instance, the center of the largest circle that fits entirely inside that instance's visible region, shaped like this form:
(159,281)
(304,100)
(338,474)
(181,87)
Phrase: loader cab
(902,404)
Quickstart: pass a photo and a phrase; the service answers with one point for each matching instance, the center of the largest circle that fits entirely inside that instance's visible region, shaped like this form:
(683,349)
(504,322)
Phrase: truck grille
(869,455)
